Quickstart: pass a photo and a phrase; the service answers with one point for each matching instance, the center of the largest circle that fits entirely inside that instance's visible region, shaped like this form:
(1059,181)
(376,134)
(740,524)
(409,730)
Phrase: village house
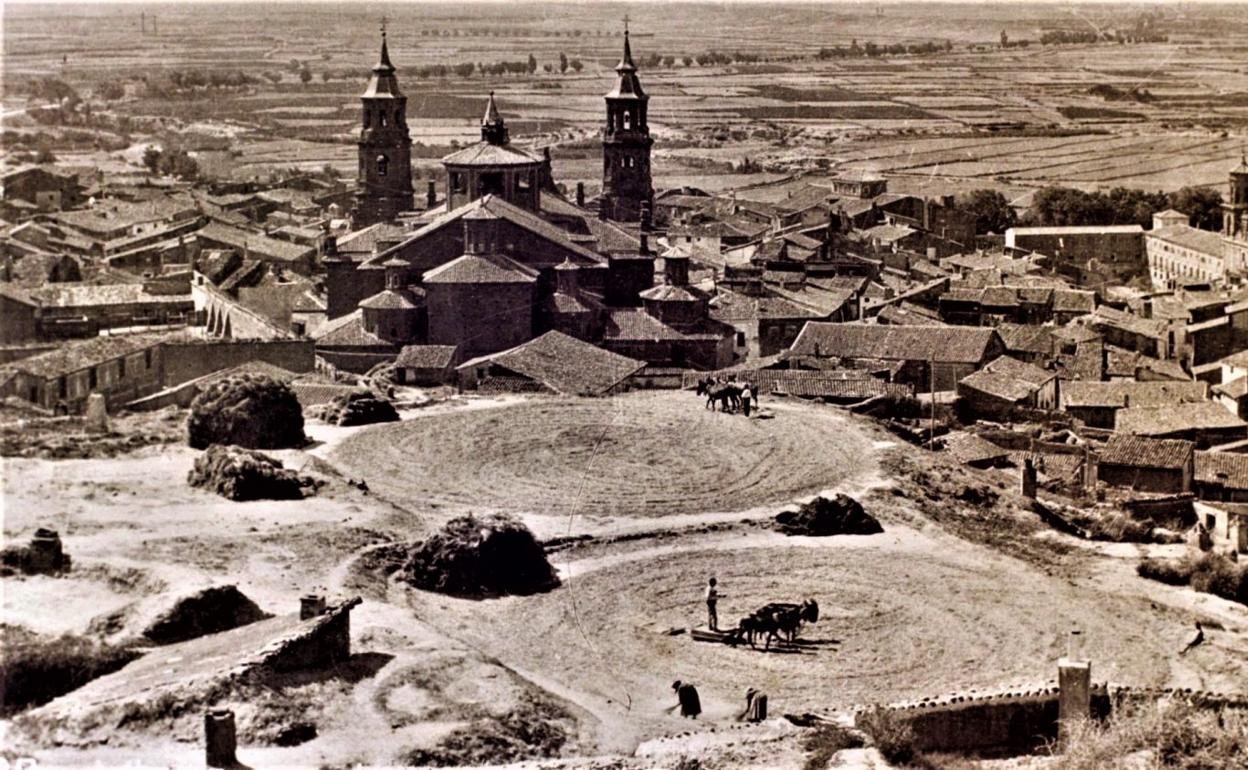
(1221,476)
(67,310)
(1087,253)
(1178,253)
(236,297)
(258,246)
(765,325)
(929,357)
(31,190)
(1005,385)
(1147,465)
(1097,404)
(859,183)
(1204,423)
(426,364)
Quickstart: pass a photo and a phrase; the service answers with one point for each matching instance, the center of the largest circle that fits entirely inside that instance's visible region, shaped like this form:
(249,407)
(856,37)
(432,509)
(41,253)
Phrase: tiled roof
(1139,452)
(1075,229)
(256,244)
(1008,379)
(504,210)
(635,324)
(87,295)
(347,331)
(966,447)
(426,356)
(1124,393)
(486,154)
(394,300)
(1027,338)
(732,306)
(80,354)
(1202,241)
(564,364)
(1175,418)
(481,268)
(1236,388)
(1073,301)
(1226,469)
(945,344)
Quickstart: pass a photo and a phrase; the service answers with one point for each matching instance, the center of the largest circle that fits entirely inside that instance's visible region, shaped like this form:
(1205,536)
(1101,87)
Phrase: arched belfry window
(383,165)
(381,116)
(628,120)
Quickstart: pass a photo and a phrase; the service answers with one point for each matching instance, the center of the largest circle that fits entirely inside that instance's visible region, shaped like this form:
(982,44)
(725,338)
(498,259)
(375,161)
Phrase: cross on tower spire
(383,24)
(625,23)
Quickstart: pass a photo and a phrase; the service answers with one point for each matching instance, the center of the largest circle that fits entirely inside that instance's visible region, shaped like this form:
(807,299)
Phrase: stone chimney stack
(676,270)
(220,738)
(431,194)
(567,278)
(311,606)
(580,194)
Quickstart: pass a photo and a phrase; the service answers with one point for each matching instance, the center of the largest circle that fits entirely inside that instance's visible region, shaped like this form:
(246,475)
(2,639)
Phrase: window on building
(383,165)
(62,388)
(457,182)
(628,120)
(381,119)
(740,339)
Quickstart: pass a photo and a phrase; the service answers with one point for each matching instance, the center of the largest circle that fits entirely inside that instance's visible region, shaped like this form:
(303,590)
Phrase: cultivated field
(973,114)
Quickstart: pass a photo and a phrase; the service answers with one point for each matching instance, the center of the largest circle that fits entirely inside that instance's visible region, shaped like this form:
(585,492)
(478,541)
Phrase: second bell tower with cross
(626,143)
(384,181)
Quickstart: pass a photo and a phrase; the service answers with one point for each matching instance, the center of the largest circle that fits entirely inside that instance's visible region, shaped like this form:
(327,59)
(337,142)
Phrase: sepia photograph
(624,384)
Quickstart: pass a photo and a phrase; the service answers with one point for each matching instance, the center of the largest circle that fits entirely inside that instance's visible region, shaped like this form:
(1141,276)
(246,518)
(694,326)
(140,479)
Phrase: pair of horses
(728,395)
(779,620)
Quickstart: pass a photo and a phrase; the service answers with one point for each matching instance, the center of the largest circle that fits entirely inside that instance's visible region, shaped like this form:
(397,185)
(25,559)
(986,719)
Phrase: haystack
(821,517)
(241,474)
(249,410)
(209,611)
(478,557)
(358,408)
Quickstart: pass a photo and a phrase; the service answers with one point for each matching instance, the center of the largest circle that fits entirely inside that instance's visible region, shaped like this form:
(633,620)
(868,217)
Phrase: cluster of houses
(1133,340)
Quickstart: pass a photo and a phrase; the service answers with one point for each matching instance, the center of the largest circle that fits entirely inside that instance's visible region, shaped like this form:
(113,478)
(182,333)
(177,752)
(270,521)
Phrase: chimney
(431,194)
(220,738)
(580,194)
(602,207)
(643,243)
(676,270)
(1146,309)
(567,278)
(647,219)
(311,606)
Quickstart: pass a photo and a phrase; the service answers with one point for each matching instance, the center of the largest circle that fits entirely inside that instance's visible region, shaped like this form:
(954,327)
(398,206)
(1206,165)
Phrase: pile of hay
(209,611)
(358,408)
(249,410)
(240,474)
(43,555)
(821,517)
(478,557)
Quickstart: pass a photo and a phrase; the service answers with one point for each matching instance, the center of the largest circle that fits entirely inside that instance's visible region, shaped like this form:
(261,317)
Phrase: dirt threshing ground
(662,494)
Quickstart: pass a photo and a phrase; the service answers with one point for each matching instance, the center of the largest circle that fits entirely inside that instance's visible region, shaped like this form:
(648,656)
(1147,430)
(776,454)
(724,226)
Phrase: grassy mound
(358,408)
(249,410)
(822,517)
(36,669)
(1208,573)
(533,730)
(241,474)
(209,611)
(479,557)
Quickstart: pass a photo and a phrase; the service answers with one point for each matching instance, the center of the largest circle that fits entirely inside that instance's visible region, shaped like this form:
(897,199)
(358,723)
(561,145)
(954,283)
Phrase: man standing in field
(712,600)
(746,394)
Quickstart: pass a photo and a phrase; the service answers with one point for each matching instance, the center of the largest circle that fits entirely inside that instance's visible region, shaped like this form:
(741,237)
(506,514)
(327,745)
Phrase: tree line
(1069,207)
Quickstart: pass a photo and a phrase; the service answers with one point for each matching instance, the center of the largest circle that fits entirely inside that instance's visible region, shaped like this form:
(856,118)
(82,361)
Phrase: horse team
(779,620)
(730,395)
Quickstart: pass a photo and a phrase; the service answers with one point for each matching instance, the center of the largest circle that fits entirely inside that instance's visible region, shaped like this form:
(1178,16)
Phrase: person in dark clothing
(1197,640)
(686,699)
(712,604)
(747,393)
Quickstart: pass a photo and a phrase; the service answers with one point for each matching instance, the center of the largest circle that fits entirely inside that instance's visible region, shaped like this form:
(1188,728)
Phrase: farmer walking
(746,394)
(712,600)
(755,706)
(1197,640)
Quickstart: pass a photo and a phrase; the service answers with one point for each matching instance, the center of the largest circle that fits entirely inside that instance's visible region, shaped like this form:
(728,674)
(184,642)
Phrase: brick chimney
(580,194)
(431,194)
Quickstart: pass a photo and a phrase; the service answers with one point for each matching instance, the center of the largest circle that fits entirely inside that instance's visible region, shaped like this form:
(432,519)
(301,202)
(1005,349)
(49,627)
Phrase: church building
(384,178)
(509,258)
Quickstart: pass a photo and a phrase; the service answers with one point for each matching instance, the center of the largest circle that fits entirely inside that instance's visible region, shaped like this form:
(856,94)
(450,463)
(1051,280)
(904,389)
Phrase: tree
(111,91)
(305,76)
(992,212)
(1202,206)
(669,61)
(325,76)
(548,67)
(687,61)
(151,157)
(1005,40)
(465,69)
(532,64)
(563,63)
(44,155)
(576,65)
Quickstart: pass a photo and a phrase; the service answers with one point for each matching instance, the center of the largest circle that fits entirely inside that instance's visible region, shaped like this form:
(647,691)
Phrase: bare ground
(953,595)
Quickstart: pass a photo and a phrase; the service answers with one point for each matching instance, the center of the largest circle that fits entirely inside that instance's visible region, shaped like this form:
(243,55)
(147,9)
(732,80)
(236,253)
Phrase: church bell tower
(626,143)
(384,179)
